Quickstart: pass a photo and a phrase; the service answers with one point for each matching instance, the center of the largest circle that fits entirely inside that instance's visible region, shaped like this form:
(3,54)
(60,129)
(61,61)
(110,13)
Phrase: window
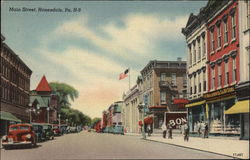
(199,81)
(204,46)
(190,53)
(219,36)
(247,5)
(184,80)
(163,76)
(213,78)
(194,53)
(163,97)
(199,51)
(204,81)
(212,41)
(233,26)
(234,70)
(225,32)
(226,74)
(173,81)
(195,88)
(220,77)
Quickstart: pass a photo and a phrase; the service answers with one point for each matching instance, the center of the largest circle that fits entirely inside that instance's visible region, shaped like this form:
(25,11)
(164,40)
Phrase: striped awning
(8,117)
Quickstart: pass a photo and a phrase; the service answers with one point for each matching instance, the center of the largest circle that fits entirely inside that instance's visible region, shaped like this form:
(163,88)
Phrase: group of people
(202,128)
(167,130)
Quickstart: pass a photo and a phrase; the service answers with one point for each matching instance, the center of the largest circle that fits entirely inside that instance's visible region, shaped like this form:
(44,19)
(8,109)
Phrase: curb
(191,148)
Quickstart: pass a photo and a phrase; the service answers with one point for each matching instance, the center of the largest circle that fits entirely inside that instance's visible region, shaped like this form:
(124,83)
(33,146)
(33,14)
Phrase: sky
(89,48)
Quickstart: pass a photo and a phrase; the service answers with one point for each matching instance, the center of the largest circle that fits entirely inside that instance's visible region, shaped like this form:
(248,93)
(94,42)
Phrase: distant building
(130,110)
(163,84)
(15,86)
(45,104)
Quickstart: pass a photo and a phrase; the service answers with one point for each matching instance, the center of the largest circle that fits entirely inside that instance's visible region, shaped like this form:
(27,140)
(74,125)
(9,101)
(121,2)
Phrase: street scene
(125,80)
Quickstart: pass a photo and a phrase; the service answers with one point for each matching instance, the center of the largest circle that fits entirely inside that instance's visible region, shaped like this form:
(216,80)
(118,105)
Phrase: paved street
(86,145)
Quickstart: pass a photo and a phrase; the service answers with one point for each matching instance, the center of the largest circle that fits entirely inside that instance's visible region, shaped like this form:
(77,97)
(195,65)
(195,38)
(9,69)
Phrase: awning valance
(195,103)
(8,117)
(239,107)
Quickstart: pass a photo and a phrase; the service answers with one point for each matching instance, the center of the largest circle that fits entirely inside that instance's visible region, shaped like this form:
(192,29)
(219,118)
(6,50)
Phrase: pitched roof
(43,85)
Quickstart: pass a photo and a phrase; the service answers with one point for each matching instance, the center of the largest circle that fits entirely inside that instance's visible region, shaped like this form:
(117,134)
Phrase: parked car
(73,129)
(64,129)
(19,134)
(118,129)
(40,134)
(56,130)
(49,134)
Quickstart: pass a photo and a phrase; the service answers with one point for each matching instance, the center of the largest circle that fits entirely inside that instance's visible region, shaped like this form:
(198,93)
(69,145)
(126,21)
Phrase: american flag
(124,74)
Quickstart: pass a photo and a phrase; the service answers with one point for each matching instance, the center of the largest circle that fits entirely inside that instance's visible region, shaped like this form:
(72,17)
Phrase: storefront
(196,114)
(218,102)
(7,119)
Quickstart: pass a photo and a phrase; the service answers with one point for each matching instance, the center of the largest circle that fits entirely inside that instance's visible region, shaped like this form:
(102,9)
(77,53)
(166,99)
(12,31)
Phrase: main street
(85,145)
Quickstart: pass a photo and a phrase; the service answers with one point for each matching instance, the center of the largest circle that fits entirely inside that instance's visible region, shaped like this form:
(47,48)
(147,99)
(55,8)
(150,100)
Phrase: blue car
(118,129)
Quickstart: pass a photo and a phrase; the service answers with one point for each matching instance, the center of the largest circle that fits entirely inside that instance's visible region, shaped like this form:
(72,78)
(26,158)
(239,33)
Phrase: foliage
(75,117)
(94,121)
(65,92)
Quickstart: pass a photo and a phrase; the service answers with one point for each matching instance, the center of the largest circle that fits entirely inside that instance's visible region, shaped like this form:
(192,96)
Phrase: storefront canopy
(195,104)
(8,117)
(239,107)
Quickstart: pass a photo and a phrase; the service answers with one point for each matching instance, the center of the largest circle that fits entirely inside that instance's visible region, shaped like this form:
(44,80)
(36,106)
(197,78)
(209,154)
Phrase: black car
(40,133)
(48,129)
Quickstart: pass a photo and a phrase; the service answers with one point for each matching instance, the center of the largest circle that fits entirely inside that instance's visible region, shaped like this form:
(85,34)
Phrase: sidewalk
(226,146)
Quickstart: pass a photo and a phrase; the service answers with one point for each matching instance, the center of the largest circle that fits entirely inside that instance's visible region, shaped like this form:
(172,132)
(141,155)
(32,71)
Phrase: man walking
(186,132)
(164,129)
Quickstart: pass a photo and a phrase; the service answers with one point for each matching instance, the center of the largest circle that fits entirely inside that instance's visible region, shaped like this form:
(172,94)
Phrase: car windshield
(55,127)
(13,128)
(24,127)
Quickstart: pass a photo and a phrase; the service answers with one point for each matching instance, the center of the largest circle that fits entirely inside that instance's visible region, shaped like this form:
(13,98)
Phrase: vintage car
(118,129)
(56,130)
(64,129)
(19,134)
(73,129)
(40,133)
(49,134)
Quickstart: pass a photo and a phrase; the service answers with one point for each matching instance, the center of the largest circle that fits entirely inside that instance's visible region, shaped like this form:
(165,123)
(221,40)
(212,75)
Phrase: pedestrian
(186,132)
(149,130)
(199,128)
(169,129)
(164,129)
(206,131)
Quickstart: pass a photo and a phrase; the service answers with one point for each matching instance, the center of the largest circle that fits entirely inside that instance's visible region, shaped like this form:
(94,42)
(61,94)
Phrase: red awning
(160,107)
(148,120)
(140,123)
(180,101)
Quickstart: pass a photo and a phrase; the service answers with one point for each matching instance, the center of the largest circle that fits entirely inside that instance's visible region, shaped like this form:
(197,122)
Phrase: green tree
(65,93)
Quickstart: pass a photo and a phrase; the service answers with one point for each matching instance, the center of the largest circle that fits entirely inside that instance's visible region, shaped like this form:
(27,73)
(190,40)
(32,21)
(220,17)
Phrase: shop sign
(219,92)
(176,119)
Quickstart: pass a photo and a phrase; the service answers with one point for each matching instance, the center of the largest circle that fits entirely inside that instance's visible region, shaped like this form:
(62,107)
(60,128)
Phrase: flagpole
(129,78)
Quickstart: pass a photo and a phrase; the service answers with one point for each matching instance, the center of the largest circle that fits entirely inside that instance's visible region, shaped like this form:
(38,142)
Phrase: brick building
(15,86)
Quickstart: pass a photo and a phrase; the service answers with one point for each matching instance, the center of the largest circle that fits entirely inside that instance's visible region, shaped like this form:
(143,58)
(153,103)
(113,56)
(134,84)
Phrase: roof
(43,86)
(42,100)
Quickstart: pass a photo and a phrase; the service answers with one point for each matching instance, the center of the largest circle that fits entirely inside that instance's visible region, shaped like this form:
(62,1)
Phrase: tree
(94,121)
(65,92)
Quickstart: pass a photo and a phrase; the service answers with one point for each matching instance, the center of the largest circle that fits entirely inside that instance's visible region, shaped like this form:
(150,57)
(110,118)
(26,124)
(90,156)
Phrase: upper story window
(233,20)
(225,32)
(219,36)
(234,70)
(190,55)
(163,76)
(173,79)
(194,53)
(199,50)
(195,88)
(204,46)
(226,73)
(213,78)
(163,97)
(219,76)
(212,41)
(204,81)
(199,82)
(184,80)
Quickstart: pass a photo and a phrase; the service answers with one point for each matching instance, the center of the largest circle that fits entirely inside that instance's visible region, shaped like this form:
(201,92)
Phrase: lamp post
(141,110)
(30,105)
(48,114)
(59,115)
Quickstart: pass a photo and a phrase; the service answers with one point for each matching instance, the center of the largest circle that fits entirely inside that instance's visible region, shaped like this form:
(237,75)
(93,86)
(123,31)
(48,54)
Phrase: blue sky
(90,48)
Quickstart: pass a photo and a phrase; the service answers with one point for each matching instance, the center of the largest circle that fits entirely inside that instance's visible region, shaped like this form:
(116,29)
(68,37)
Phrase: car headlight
(4,138)
(28,136)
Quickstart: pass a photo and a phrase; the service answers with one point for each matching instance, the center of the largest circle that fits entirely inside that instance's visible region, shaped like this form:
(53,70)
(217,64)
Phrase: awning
(148,120)
(239,107)
(195,104)
(8,117)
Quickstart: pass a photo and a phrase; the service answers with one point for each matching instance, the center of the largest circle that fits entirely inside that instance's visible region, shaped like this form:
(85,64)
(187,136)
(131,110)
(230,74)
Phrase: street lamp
(141,110)
(30,105)
(48,114)
(59,121)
